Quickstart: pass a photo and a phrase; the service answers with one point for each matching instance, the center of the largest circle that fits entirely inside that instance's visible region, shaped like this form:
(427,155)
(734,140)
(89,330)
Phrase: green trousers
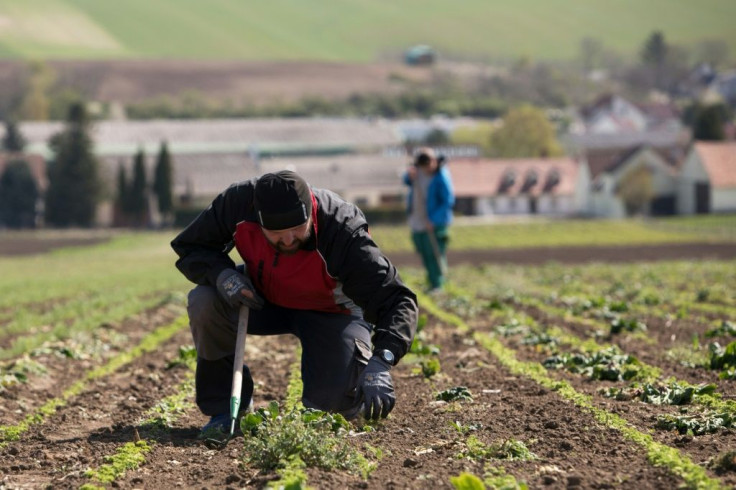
(433,264)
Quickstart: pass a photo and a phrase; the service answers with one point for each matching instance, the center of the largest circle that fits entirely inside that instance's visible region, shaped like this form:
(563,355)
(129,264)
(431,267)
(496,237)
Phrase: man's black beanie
(282,200)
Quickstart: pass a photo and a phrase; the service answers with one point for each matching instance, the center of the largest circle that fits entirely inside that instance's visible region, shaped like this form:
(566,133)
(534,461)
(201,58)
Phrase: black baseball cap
(282,200)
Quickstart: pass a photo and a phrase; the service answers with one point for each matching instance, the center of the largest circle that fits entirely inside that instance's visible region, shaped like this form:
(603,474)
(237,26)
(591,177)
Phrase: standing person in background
(430,203)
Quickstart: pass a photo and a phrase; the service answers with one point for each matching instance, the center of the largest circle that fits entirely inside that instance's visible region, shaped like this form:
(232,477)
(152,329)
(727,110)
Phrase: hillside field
(355,31)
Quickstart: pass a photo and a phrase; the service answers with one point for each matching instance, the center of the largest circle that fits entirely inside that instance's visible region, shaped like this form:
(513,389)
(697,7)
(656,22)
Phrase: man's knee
(212,323)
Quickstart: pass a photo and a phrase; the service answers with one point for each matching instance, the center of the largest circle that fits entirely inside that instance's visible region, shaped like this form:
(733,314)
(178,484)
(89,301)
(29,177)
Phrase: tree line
(74,185)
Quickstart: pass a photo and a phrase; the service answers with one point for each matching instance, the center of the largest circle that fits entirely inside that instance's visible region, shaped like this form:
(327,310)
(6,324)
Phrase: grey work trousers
(335,349)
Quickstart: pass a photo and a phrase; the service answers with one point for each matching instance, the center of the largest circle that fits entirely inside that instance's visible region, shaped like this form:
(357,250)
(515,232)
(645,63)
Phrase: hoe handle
(238,364)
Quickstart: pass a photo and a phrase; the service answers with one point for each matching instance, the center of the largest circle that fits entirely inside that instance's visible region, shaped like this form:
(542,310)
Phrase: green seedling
(725,329)
(467,481)
(540,339)
(513,327)
(704,423)
(620,325)
(607,364)
(673,393)
(429,367)
(722,358)
(458,393)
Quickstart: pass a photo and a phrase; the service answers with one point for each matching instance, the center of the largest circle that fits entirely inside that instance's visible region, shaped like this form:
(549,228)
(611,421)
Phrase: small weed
(17,372)
(619,325)
(430,367)
(465,429)
(510,449)
(723,463)
(187,357)
(455,394)
(315,437)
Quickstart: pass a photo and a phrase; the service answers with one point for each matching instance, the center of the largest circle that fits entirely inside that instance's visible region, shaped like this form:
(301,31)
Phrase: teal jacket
(440,197)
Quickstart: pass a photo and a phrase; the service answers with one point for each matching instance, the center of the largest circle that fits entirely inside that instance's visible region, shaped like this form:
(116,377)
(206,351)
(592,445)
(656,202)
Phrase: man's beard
(294,248)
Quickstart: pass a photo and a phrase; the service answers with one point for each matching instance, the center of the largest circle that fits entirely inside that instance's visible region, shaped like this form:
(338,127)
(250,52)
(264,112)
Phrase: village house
(615,114)
(707,181)
(536,186)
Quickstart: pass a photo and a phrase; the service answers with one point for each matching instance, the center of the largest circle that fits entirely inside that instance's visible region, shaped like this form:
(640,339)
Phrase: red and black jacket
(343,271)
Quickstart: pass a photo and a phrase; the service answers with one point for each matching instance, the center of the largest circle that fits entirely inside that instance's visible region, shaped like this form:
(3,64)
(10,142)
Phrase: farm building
(707,181)
(605,200)
(552,187)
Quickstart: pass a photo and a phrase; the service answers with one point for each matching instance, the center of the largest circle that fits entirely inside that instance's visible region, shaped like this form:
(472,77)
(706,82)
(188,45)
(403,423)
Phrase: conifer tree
(74,184)
(18,196)
(122,196)
(13,141)
(162,184)
(139,190)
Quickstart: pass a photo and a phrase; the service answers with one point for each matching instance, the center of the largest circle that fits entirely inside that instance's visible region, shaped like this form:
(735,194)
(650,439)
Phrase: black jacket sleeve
(368,277)
(203,245)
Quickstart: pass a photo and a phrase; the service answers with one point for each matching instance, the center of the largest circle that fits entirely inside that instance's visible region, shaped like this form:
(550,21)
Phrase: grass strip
(149,343)
(128,457)
(657,454)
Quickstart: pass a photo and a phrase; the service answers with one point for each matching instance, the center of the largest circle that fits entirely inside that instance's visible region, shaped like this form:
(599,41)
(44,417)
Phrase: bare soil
(420,447)
(254,83)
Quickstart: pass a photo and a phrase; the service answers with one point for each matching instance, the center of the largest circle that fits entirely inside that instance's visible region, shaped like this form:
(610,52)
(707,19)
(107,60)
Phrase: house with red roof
(707,181)
(523,186)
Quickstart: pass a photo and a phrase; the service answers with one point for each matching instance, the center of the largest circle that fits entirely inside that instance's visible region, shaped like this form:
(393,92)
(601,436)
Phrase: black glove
(231,284)
(377,389)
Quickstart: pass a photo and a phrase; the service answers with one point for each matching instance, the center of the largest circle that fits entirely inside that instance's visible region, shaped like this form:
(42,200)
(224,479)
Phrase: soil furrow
(62,370)
(90,425)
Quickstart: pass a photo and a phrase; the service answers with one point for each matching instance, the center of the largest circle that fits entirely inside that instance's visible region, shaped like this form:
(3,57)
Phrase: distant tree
(526,132)
(636,190)
(436,137)
(122,198)
(163,182)
(13,141)
(477,135)
(74,183)
(35,103)
(18,195)
(654,55)
(709,122)
(139,190)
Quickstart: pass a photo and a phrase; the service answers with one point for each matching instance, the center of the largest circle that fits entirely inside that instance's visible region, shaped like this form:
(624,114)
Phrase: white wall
(692,172)
(722,200)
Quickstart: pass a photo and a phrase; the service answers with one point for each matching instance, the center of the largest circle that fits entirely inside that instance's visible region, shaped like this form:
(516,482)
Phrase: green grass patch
(324,31)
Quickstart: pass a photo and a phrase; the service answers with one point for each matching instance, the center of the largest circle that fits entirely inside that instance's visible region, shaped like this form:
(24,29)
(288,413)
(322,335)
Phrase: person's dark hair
(282,200)
(423,157)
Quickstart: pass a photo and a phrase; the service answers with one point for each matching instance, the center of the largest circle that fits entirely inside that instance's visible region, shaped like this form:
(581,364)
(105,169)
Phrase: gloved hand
(237,290)
(377,389)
